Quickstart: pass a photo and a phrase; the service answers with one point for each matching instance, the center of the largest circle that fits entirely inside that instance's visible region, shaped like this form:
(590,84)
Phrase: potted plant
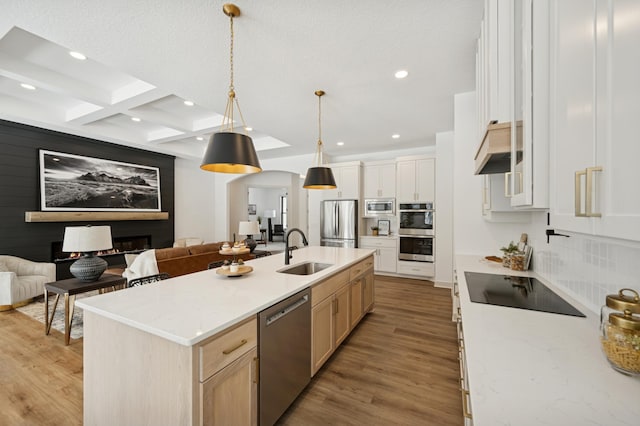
(374,230)
(508,252)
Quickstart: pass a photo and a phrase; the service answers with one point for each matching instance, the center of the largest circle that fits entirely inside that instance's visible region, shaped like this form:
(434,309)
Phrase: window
(283,211)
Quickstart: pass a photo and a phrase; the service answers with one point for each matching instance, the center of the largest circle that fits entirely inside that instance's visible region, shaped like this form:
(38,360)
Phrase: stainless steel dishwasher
(284,345)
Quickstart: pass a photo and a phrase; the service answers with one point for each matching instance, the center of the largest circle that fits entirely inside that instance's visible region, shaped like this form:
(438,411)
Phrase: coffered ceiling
(145,58)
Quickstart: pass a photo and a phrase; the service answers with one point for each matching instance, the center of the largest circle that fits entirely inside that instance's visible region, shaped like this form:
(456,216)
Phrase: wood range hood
(494,154)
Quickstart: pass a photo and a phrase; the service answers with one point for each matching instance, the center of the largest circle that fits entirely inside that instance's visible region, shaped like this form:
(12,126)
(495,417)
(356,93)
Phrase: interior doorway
(275,195)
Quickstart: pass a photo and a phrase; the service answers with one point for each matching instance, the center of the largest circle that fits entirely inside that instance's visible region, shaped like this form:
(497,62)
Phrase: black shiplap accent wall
(20,189)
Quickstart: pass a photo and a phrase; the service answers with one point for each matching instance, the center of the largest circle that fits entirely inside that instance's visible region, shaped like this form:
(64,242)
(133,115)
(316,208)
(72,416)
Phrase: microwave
(379,207)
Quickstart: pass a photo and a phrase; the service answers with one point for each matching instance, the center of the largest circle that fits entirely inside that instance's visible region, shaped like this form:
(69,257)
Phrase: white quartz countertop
(190,308)
(537,368)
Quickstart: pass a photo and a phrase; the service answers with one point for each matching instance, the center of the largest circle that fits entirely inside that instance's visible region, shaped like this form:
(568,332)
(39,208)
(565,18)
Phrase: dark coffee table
(69,288)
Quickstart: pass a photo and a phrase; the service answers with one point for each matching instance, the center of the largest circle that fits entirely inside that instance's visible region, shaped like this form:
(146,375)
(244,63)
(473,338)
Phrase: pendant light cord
(319,150)
(227,121)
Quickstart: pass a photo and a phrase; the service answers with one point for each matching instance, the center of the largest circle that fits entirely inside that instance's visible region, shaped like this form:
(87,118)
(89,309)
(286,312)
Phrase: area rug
(36,311)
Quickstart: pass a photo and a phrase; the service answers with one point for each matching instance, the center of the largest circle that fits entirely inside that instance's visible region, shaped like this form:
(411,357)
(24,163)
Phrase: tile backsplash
(588,267)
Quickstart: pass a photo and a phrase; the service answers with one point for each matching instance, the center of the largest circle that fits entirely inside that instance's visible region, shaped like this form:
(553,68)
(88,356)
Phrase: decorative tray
(242,270)
(231,251)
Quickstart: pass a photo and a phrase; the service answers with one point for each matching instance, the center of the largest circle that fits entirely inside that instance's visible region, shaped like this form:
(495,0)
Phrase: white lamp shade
(249,228)
(269,213)
(86,238)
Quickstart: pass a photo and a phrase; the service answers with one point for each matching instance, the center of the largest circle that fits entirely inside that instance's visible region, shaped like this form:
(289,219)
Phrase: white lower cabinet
(386,252)
(421,269)
(464,377)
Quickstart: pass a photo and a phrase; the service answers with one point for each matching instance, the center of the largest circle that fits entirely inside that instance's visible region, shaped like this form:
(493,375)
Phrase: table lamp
(249,228)
(87,240)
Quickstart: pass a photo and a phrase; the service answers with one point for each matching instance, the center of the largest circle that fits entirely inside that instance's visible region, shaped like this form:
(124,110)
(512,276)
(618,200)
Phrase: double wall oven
(416,233)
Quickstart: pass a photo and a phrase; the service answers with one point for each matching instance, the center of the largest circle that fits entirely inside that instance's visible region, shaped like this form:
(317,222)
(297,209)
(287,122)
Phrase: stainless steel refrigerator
(339,223)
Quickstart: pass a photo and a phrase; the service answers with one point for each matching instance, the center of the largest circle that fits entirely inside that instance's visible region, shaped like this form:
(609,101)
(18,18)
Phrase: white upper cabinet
(416,180)
(595,121)
(380,180)
(348,181)
(512,79)
(529,182)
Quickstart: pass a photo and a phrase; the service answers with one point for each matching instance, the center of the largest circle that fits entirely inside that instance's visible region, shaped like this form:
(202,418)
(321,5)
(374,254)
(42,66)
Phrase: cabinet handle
(256,379)
(228,351)
(465,405)
(578,194)
(589,195)
(507,192)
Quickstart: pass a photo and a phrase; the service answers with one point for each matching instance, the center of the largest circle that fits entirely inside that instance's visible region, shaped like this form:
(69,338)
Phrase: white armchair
(21,280)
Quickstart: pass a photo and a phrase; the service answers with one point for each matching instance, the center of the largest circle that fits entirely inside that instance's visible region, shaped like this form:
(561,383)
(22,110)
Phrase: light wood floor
(398,367)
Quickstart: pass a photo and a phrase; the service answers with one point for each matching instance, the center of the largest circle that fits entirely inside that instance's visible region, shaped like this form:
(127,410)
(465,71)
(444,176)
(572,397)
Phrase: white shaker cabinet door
(572,118)
(617,192)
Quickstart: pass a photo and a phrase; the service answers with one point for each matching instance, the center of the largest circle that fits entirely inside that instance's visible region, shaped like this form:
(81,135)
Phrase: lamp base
(88,268)
(250,243)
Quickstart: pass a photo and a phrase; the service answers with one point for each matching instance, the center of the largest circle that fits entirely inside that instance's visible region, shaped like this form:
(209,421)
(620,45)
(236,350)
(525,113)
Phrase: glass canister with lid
(620,331)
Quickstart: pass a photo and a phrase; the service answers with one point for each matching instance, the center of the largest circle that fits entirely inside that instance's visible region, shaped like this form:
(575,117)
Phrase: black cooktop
(516,292)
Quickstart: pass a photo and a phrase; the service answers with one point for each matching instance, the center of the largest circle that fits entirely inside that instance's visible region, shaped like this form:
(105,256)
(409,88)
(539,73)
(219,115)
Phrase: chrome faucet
(287,250)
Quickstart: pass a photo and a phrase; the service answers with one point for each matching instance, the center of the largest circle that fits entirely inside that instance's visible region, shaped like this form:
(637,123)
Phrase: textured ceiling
(145,57)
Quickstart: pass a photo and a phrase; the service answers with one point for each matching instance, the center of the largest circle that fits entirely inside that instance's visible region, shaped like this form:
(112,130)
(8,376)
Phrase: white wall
(195,206)
(444,209)
(472,234)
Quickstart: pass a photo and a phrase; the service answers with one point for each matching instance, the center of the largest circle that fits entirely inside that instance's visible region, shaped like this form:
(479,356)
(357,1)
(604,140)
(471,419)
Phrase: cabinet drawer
(375,242)
(326,288)
(226,348)
(421,269)
(360,268)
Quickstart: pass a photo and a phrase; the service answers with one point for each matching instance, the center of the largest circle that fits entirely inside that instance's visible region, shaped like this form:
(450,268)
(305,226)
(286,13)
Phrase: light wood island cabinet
(185,351)
(337,306)
(162,382)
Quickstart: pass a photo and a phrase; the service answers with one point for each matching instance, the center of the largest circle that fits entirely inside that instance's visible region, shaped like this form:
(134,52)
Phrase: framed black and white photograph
(383,227)
(71,182)
(252,209)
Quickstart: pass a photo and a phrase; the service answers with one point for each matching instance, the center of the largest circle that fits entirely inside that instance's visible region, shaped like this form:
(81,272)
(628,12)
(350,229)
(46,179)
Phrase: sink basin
(305,268)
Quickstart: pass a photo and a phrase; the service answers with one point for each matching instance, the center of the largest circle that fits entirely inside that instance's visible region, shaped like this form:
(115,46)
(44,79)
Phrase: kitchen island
(522,367)
(183,351)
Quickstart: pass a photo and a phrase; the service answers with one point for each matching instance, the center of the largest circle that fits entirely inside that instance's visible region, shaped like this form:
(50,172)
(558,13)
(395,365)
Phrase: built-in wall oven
(416,232)
(416,247)
(416,218)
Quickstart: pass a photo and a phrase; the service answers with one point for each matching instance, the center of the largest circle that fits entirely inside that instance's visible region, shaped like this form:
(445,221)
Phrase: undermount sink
(305,268)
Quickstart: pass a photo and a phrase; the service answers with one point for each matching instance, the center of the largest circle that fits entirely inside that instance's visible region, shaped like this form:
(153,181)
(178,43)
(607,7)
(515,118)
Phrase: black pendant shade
(230,152)
(319,178)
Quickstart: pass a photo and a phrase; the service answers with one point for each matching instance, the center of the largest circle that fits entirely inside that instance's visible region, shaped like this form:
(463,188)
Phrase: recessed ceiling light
(340,143)
(27,86)
(200,138)
(188,103)
(396,136)
(248,129)
(79,56)
(401,74)
(136,119)
(55,159)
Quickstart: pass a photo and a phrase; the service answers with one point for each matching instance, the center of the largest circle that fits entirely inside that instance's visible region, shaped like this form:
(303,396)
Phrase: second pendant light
(319,177)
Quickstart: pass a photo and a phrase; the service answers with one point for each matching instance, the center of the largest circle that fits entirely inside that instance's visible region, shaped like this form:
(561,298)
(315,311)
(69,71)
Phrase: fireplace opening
(136,244)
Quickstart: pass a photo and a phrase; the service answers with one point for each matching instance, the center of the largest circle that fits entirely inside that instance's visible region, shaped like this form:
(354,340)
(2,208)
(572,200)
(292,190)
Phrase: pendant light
(230,152)
(319,177)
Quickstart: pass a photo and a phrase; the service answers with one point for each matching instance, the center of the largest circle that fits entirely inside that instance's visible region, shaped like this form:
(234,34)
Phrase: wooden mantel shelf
(92,216)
